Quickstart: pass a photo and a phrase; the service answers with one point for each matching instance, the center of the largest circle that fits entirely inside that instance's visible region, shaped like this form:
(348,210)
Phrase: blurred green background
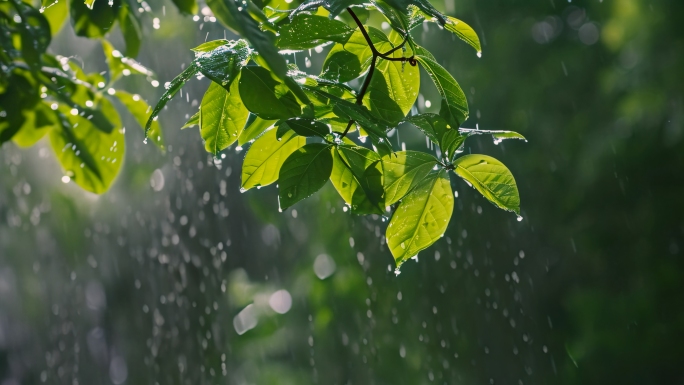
(175,277)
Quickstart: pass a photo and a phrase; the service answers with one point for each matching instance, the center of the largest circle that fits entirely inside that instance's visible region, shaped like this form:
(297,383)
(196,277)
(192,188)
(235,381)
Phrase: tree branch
(371,69)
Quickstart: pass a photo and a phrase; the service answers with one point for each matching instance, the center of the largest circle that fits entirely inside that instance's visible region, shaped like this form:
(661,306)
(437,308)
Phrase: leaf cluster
(299,126)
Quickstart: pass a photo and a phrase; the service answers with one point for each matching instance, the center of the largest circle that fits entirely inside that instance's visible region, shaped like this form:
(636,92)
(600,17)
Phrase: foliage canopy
(299,125)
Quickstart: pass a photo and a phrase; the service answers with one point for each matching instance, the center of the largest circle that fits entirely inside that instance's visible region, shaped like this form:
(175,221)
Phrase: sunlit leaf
(454,103)
(497,135)
(193,121)
(265,96)
(89,157)
(223,63)
(39,121)
(18,96)
(421,218)
(357,176)
(175,85)
(56,13)
(491,178)
(34,31)
(266,156)
(222,117)
(236,16)
(403,171)
(303,173)
(394,87)
(440,132)
(254,127)
(464,32)
(308,31)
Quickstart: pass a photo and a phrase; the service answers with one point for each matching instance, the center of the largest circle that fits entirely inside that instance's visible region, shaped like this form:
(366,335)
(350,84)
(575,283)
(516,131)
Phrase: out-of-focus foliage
(175,277)
(46,94)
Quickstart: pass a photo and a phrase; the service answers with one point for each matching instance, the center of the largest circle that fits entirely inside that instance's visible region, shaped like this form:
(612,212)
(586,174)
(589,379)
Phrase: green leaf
(119,64)
(254,127)
(421,218)
(130,29)
(188,7)
(34,31)
(222,117)
(303,173)
(394,87)
(364,119)
(175,85)
(464,32)
(304,127)
(236,17)
(223,63)
(403,171)
(193,121)
(39,121)
(454,103)
(497,135)
(452,143)
(440,132)
(357,176)
(96,21)
(309,31)
(90,157)
(56,13)
(265,96)
(209,46)
(350,60)
(432,125)
(19,96)
(266,156)
(335,7)
(139,109)
(491,178)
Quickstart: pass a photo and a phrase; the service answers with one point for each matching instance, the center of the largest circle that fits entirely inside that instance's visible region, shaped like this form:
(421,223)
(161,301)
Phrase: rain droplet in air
(520,218)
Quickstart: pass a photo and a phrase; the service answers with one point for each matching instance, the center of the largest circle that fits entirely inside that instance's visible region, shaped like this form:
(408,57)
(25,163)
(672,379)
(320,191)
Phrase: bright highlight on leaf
(421,218)
(491,178)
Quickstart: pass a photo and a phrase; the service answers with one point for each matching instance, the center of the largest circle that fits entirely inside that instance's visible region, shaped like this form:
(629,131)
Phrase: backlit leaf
(222,117)
(309,31)
(403,171)
(303,173)
(357,176)
(491,178)
(265,96)
(421,218)
(266,156)
(89,157)
(464,32)
(175,85)
(254,127)
(454,103)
